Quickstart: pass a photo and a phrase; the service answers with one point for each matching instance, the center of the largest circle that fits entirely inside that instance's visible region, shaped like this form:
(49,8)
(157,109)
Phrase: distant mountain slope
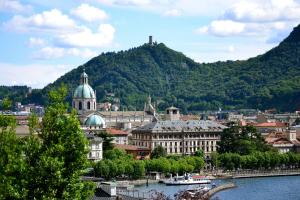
(271,80)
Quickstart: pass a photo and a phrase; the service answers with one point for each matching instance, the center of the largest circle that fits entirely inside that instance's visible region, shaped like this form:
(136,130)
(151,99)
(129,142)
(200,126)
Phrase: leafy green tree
(157,152)
(243,140)
(6,104)
(107,140)
(13,170)
(138,169)
(33,123)
(102,169)
(61,158)
(199,153)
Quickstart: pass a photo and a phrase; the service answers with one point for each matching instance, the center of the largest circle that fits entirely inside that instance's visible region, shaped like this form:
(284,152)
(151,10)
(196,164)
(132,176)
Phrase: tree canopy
(242,140)
(47,166)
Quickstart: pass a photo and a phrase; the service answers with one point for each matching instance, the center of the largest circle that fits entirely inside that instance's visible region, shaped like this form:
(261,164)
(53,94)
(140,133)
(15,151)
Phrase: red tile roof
(113,131)
(131,147)
(271,124)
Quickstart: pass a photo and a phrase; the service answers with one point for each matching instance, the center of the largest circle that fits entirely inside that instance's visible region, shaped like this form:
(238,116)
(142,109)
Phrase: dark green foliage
(15,93)
(107,140)
(258,160)
(158,151)
(6,104)
(199,153)
(48,166)
(242,140)
(117,164)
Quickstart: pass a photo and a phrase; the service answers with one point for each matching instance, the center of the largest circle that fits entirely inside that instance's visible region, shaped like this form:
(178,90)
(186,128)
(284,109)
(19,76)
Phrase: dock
(219,188)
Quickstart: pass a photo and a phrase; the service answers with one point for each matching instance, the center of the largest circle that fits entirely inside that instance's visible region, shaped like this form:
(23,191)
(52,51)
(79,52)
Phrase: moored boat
(187,180)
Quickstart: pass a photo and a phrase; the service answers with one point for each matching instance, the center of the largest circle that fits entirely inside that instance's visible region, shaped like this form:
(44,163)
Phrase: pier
(219,188)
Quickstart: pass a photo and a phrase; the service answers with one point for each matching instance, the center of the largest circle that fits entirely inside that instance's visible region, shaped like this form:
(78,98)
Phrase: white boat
(203,189)
(187,180)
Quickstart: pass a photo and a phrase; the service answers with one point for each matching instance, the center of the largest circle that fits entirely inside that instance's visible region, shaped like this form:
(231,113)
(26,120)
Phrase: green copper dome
(84,91)
(95,120)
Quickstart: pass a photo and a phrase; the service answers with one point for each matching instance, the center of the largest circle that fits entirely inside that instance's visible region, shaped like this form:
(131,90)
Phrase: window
(80,105)
(88,105)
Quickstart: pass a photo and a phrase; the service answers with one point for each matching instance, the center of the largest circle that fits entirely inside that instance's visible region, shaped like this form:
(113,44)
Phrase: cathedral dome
(95,120)
(84,91)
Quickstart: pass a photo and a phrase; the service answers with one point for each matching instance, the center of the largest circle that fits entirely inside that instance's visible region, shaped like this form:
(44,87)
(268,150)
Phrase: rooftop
(181,126)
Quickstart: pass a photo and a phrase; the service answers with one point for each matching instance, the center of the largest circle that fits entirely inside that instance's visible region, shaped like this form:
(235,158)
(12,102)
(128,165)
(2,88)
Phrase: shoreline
(139,182)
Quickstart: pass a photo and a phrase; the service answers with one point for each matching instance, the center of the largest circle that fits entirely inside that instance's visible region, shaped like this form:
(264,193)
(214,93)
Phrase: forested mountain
(271,80)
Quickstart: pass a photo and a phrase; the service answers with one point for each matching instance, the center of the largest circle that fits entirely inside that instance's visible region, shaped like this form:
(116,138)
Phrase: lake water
(268,188)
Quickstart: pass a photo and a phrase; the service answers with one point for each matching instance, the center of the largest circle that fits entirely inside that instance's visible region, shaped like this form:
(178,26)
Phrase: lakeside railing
(135,194)
(257,173)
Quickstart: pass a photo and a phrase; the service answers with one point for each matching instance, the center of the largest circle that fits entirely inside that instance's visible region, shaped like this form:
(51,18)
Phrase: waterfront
(267,188)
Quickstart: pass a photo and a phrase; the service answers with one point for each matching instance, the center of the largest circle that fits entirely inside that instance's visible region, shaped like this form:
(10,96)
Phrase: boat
(203,188)
(187,179)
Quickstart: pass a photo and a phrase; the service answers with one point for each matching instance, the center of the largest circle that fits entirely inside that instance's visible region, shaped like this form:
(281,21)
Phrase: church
(93,120)
(84,101)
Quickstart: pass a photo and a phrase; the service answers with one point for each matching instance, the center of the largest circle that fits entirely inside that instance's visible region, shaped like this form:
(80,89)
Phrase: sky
(42,40)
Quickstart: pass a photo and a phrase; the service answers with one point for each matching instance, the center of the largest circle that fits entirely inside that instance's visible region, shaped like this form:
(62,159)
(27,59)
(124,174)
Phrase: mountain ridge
(270,80)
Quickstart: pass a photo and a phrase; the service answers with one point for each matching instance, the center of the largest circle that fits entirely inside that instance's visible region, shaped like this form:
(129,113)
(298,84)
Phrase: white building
(178,136)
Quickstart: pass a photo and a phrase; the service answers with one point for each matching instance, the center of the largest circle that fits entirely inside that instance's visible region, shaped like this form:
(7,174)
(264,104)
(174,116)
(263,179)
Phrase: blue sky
(42,40)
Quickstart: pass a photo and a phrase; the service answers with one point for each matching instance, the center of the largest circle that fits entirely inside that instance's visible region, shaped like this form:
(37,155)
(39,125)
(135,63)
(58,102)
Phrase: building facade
(178,136)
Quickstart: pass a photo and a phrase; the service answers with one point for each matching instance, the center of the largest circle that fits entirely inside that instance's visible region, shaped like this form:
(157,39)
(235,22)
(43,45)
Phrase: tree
(33,123)
(158,151)
(243,140)
(101,169)
(13,171)
(6,104)
(138,169)
(107,140)
(62,155)
(199,153)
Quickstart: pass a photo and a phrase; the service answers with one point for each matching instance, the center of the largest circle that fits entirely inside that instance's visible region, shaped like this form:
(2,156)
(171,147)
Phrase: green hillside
(271,80)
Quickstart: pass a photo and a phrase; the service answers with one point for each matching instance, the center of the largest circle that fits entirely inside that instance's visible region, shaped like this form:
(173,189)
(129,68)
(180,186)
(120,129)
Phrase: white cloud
(264,19)
(48,21)
(58,52)
(34,75)
(264,11)
(173,13)
(86,38)
(222,28)
(14,6)
(34,42)
(188,7)
(213,51)
(89,13)
(66,37)
(126,2)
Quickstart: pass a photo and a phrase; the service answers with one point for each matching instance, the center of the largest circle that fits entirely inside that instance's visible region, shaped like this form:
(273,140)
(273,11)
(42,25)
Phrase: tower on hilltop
(150,40)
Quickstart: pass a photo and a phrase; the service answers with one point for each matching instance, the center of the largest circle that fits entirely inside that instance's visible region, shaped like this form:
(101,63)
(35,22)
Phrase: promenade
(259,173)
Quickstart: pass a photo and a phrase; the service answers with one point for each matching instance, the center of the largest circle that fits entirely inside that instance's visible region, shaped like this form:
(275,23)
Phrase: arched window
(88,105)
(80,105)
